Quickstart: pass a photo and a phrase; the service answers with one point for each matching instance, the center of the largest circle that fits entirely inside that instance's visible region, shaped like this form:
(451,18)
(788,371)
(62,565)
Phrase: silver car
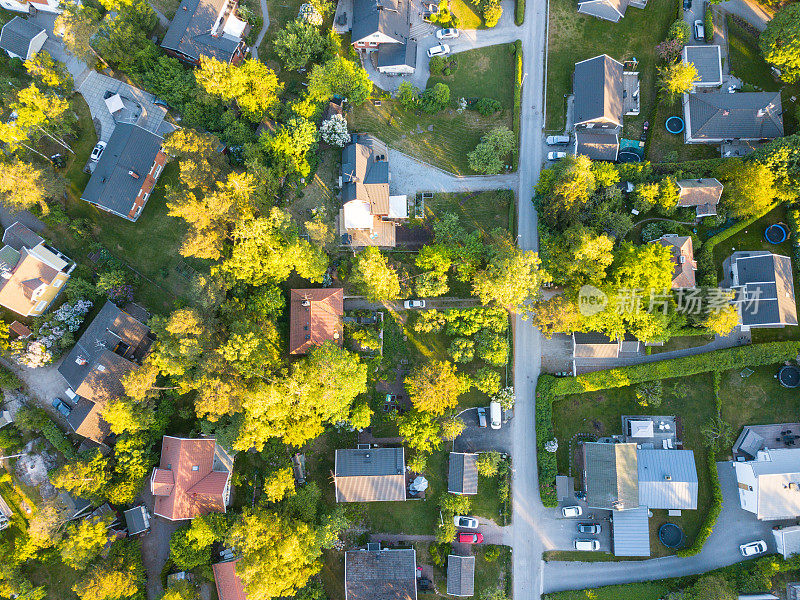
(444,34)
(463,522)
(556,155)
(555,140)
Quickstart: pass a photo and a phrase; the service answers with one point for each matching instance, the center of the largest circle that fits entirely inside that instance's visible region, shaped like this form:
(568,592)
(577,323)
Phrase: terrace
(757,437)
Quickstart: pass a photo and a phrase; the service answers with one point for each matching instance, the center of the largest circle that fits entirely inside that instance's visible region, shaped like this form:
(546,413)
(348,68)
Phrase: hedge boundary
(711,516)
(519,12)
(548,388)
(515,123)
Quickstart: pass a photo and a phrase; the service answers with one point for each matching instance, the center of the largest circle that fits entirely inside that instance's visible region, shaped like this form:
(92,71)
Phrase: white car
(571,511)
(444,34)
(556,155)
(442,50)
(465,522)
(753,548)
(554,140)
(414,304)
(699,31)
(587,545)
(97,151)
(495,415)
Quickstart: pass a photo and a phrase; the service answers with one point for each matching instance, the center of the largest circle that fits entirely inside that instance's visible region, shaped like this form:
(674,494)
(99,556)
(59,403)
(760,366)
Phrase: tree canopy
(780,42)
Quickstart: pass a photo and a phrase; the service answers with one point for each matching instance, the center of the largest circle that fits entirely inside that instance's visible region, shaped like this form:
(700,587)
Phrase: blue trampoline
(776,233)
(674,125)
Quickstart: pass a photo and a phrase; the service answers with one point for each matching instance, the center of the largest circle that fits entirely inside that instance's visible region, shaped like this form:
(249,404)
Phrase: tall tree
(511,278)
(340,76)
(487,158)
(289,146)
(645,268)
(555,315)
(677,78)
(84,540)
(421,431)
(198,156)
(253,85)
(749,187)
(578,256)
(780,42)
(76,26)
(50,72)
(108,581)
(123,414)
(24,185)
(434,387)
(298,43)
(373,276)
(88,476)
(563,190)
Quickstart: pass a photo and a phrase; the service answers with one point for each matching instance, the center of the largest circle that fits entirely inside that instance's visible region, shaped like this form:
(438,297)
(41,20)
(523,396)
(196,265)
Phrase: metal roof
(17,35)
(743,115)
(611,475)
(597,86)
(462,476)
(460,575)
(130,149)
(667,479)
(631,531)
(376,474)
(393,55)
(136,520)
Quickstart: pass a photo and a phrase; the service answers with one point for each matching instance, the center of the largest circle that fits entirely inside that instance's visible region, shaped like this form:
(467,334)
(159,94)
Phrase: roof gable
(377,474)
(190,31)
(380,575)
(462,475)
(743,115)
(598,90)
(315,318)
(388,18)
(16,36)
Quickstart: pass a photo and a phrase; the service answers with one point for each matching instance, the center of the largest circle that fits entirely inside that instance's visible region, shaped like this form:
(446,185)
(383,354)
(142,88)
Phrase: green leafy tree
(647,267)
(487,158)
(712,586)
(181,590)
(198,157)
(462,350)
(123,414)
(50,72)
(38,114)
(408,96)
(488,463)
(578,256)
(511,278)
(455,504)
(289,147)
(420,431)
(564,190)
(434,387)
(24,185)
(339,76)
(496,593)
(360,415)
(298,43)
(435,98)
(253,85)
(722,322)
(279,484)
(780,42)
(190,546)
(717,434)
(452,428)
(650,394)
(373,276)
(87,477)
(677,78)
(109,581)
(76,26)
(749,187)
(83,541)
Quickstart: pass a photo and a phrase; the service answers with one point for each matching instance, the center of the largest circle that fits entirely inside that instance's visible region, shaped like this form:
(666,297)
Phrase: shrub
(679,30)
(487,106)
(446,532)
(452,504)
(436,98)
(408,95)
(488,463)
(709,25)
(436,65)
(519,12)
(492,553)
(711,516)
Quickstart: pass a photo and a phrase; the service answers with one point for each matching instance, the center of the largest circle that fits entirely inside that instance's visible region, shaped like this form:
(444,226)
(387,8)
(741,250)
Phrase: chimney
(101,368)
(80,360)
(133,174)
(306,302)
(761,112)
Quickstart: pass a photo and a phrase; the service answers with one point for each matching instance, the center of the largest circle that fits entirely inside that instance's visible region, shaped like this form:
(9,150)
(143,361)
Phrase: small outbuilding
(460,575)
(631,532)
(462,476)
(137,519)
(22,39)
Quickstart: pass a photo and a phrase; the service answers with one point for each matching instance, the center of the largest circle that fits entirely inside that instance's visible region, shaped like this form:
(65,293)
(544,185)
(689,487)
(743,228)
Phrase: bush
(492,553)
(517,92)
(487,106)
(492,11)
(679,30)
(712,514)
(408,95)
(452,504)
(37,419)
(488,463)
(436,98)
(436,65)
(709,25)
(519,12)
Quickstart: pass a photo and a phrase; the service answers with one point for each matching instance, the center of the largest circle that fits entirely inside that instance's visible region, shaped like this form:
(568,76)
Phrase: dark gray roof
(632,531)
(708,62)
(751,443)
(380,575)
(597,86)
(136,520)
(190,31)
(18,236)
(460,575)
(596,145)
(111,186)
(766,292)
(86,420)
(394,55)
(17,34)
(611,475)
(462,476)
(365,172)
(376,474)
(389,17)
(667,479)
(610,10)
(722,116)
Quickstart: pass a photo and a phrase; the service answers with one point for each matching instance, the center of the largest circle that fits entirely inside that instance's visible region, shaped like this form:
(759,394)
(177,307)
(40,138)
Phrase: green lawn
(574,37)
(668,147)
(599,414)
(445,138)
(651,590)
(745,58)
(476,210)
(682,342)
(467,14)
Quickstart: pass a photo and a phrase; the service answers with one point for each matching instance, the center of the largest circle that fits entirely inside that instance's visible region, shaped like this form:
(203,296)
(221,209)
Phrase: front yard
(574,37)
(444,139)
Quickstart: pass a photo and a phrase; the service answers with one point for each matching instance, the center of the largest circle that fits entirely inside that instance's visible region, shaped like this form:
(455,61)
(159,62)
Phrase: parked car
(556,155)
(97,151)
(699,31)
(481,417)
(470,538)
(442,50)
(571,511)
(465,522)
(495,415)
(444,34)
(753,548)
(587,545)
(414,304)
(61,406)
(592,528)
(554,140)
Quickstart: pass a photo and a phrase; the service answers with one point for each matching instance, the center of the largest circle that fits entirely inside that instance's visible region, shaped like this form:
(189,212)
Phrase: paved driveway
(155,546)
(478,439)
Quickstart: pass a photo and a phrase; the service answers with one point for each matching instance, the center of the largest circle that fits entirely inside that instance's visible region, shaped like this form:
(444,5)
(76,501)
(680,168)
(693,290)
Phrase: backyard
(444,139)
(669,147)
(475,210)
(574,37)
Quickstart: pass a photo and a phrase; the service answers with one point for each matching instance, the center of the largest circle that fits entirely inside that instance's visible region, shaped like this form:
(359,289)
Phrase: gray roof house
(708,62)
(371,475)
(21,38)
(763,287)
(207,28)
(667,479)
(603,91)
(609,10)
(462,475)
(112,346)
(382,27)
(387,574)
(610,475)
(769,485)
(137,520)
(703,194)
(460,575)
(127,172)
(713,117)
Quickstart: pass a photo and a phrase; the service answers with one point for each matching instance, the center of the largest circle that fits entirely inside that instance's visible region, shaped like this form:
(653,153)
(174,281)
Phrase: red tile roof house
(229,586)
(193,478)
(315,318)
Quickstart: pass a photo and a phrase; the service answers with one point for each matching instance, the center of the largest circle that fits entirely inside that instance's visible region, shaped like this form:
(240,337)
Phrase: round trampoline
(674,125)
(789,376)
(670,535)
(776,233)
(626,156)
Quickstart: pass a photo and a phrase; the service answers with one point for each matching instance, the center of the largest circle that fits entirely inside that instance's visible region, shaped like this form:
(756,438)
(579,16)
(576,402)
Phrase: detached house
(32,6)
(192,479)
(609,10)
(369,475)
(369,215)
(375,574)
(769,485)
(381,28)
(684,264)
(112,346)
(229,584)
(32,273)
(603,92)
(703,194)
(22,39)
(315,318)
(714,117)
(763,286)
(127,172)
(207,28)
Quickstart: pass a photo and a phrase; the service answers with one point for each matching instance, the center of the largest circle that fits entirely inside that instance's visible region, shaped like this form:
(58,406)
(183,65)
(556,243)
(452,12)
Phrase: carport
(631,532)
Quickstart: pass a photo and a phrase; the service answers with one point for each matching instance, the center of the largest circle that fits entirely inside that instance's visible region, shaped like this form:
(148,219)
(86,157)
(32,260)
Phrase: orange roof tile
(163,482)
(316,323)
(229,586)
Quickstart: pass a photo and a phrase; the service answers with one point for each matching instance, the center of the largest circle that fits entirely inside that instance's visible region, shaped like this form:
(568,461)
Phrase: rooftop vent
(133,174)
(195,468)
(667,477)
(306,302)
(101,368)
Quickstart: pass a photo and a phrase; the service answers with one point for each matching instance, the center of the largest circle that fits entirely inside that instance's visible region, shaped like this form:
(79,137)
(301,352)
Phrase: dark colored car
(687,4)
(61,406)
(592,528)
(482,417)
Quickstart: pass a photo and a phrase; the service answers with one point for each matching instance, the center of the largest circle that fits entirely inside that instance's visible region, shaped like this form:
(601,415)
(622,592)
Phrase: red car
(470,538)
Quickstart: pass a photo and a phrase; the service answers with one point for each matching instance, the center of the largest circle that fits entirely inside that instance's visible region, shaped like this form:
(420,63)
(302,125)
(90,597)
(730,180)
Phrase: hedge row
(711,515)
(708,24)
(519,12)
(549,387)
(734,229)
(517,92)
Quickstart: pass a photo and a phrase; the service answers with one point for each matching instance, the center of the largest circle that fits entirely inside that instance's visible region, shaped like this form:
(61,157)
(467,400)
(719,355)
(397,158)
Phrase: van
(495,415)
(587,545)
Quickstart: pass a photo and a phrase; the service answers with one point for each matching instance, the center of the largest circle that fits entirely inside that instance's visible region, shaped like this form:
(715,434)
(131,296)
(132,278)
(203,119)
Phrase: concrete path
(734,527)
(750,11)
(410,175)
(263,32)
